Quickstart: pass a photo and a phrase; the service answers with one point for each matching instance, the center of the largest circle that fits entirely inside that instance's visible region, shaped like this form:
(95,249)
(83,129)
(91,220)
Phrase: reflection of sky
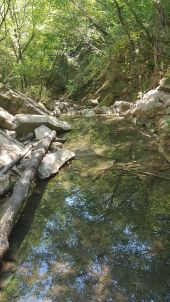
(134,245)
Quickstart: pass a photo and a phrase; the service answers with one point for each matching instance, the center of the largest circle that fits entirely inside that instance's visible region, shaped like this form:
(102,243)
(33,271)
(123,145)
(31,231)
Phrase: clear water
(97,232)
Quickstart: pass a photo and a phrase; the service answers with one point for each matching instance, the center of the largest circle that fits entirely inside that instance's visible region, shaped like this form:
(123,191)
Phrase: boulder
(53,162)
(26,123)
(9,149)
(42,131)
(16,103)
(6,120)
(152,103)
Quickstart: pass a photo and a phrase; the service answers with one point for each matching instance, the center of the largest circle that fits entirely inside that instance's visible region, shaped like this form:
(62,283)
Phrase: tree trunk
(21,192)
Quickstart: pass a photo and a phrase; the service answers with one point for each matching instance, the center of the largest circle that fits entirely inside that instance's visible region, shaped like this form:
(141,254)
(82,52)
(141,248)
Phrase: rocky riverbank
(21,120)
(23,123)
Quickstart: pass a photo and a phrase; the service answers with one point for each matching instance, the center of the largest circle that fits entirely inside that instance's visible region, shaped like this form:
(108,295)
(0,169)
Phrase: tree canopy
(110,49)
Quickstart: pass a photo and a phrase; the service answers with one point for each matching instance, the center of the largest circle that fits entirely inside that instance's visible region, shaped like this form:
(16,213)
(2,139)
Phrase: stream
(98,231)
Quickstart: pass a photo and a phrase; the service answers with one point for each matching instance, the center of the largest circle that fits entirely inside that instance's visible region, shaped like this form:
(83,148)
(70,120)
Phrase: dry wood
(21,192)
(15,161)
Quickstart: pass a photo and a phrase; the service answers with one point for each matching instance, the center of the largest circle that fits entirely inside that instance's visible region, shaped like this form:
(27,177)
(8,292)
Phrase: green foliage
(110,49)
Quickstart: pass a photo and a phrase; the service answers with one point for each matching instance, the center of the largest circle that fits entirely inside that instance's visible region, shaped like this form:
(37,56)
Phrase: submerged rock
(26,123)
(53,162)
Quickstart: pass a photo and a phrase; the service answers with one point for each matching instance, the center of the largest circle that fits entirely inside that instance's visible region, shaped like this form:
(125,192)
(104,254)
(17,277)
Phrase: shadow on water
(25,220)
(101,230)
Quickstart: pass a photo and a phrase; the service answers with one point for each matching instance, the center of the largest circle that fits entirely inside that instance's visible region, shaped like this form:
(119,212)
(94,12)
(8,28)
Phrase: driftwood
(14,162)
(21,192)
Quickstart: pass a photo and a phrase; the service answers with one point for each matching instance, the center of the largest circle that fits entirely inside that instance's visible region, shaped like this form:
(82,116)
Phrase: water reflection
(100,233)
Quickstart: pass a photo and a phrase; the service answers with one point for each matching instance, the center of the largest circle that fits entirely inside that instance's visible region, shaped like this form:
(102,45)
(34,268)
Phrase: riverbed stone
(53,162)
(26,123)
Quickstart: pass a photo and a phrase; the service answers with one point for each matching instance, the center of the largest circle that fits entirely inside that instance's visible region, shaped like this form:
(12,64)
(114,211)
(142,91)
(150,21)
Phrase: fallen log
(21,192)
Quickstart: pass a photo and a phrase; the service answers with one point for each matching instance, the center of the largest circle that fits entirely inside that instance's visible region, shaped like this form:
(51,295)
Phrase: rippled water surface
(97,232)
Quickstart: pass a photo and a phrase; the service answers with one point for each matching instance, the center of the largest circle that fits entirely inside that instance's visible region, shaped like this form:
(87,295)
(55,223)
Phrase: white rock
(9,149)
(42,131)
(6,119)
(53,162)
(26,123)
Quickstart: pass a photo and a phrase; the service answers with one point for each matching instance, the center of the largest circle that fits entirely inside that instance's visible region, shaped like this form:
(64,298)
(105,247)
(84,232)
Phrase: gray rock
(42,131)
(15,102)
(153,103)
(26,123)
(53,162)
(6,120)
(9,149)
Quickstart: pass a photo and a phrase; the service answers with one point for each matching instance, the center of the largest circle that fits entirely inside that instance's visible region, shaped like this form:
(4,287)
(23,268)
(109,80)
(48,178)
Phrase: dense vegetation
(107,49)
